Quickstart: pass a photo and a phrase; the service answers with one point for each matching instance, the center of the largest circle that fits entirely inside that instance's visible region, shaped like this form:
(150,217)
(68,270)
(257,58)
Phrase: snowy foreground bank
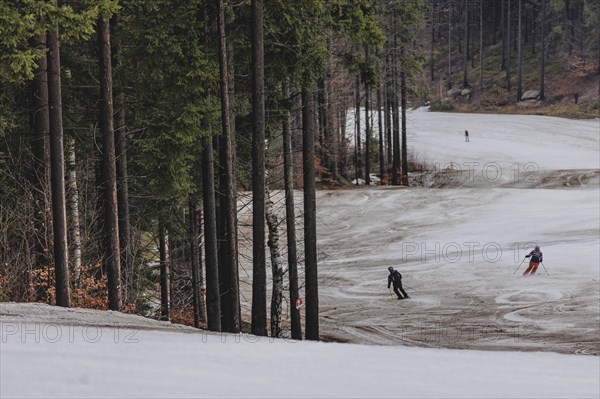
(52,352)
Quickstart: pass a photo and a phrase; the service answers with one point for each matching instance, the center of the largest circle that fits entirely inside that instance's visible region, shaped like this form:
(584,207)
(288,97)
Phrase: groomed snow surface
(457,248)
(97,355)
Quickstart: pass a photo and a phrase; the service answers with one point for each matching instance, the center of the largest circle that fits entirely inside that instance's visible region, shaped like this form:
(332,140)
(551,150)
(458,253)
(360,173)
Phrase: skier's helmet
(537,247)
(391,269)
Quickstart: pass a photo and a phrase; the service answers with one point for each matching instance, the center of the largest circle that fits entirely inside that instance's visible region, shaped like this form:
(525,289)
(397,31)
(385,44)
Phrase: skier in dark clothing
(536,258)
(396,278)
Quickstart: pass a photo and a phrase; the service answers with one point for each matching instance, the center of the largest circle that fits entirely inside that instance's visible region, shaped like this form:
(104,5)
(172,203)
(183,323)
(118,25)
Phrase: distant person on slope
(536,257)
(466,135)
(396,278)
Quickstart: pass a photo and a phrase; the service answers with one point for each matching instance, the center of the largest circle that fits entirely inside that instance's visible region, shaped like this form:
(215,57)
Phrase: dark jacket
(396,278)
(536,256)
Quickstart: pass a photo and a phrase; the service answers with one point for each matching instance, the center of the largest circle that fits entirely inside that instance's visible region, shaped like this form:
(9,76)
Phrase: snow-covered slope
(458,247)
(39,358)
(548,142)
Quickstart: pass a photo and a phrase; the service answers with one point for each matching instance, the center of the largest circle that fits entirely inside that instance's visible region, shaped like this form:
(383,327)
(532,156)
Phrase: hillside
(567,72)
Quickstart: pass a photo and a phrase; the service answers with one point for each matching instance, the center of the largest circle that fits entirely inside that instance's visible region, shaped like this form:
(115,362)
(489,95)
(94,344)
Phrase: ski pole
(545,269)
(519,266)
(390,290)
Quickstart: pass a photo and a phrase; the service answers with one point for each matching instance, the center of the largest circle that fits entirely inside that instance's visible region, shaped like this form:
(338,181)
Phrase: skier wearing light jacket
(396,278)
(536,258)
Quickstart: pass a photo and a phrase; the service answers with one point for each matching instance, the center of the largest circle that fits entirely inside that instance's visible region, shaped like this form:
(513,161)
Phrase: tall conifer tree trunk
(381,138)
(388,120)
(112,256)
(508,47)
(503,34)
(310,227)
(431,62)
(230,304)
(122,177)
(403,109)
(466,38)
(195,259)
(367,125)
(520,53)
(57,167)
(123,193)
(40,148)
(543,51)
(259,276)
(449,46)
(481,42)
(395,111)
(290,218)
(213,300)
(357,139)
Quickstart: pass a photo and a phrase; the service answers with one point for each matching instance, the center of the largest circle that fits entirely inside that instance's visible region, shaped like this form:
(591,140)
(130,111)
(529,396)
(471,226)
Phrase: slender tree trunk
(503,34)
(367,126)
(318,140)
(122,179)
(459,35)
(520,54)
(73,212)
(277,268)
(466,53)
(173,247)
(357,167)
(388,117)
(233,180)
(195,258)
(112,257)
(543,50)
(259,276)
(123,193)
(381,138)
(395,112)
(403,109)
(526,24)
(514,37)
(494,21)
(432,63)
(472,30)
(321,121)
(41,167)
(467,31)
(508,47)
(213,301)
(310,225)
(449,46)
(230,306)
(533,26)
(201,271)
(343,142)
(290,219)
(598,45)
(481,43)
(331,141)
(163,249)
(57,167)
